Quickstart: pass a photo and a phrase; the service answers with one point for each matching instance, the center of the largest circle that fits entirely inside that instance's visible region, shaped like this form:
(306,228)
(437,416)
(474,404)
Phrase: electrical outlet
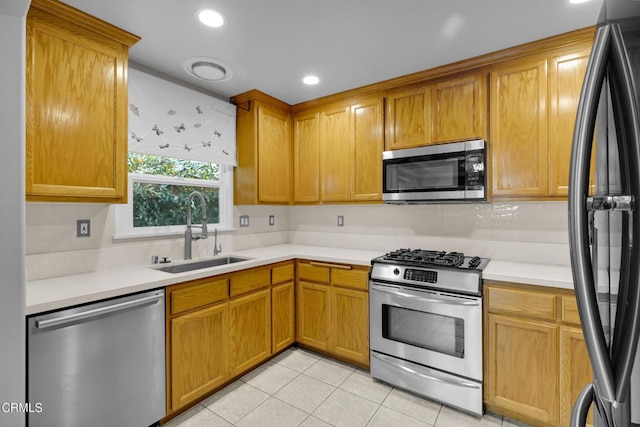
(83,228)
(244,220)
(272,220)
(340,221)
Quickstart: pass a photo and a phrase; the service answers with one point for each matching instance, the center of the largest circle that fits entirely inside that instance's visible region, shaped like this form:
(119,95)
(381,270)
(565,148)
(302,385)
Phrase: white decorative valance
(167,119)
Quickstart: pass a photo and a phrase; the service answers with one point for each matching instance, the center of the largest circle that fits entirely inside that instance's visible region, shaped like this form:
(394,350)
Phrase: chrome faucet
(188,235)
(216,248)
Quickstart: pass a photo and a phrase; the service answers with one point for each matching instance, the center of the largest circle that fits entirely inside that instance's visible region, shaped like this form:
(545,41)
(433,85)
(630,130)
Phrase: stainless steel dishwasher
(101,364)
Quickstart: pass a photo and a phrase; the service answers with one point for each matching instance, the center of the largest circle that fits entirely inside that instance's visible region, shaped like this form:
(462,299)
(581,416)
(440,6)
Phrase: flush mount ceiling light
(211,18)
(310,80)
(209,69)
(577,1)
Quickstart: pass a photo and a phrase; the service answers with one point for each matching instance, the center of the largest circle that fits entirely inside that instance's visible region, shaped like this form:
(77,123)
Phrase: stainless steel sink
(197,265)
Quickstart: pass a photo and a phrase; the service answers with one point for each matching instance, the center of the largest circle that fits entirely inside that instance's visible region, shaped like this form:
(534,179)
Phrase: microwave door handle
(434,299)
(625,111)
(581,264)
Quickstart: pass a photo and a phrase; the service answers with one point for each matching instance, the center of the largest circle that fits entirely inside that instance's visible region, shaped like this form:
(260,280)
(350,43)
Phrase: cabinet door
(312,315)
(522,367)
(335,162)
(519,128)
(283,316)
(408,120)
(566,74)
(76,101)
(366,161)
(575,371)
(274,155)
(459,109)
(199,350)
(306,158)
(249,330)
(350,324)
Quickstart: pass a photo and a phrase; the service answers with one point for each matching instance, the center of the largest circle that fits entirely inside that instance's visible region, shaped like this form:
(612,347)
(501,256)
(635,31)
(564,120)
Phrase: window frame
(124,228)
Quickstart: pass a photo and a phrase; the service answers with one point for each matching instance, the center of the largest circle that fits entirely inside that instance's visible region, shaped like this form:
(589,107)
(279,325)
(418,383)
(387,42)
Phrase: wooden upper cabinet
(306,158)
(274,147)
(566,75)
(518,92)
(450,109)
(408,120)
(335,154)
(459,108)
(368,142)
(76,102)
(263,148)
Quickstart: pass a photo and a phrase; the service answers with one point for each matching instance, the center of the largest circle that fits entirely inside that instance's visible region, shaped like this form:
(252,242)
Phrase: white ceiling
(272,44)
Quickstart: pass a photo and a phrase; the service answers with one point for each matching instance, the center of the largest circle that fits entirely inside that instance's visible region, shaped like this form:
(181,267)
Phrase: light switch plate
(272,220)
(83,228)
(244,220)
(340,221)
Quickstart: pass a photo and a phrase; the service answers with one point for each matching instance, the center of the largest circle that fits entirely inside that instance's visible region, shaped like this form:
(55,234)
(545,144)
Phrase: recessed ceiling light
(209,69)
(577,1)
(310,80)
(210,18)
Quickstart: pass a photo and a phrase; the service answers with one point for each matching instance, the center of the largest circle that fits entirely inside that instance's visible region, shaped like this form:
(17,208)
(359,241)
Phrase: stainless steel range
(426,324)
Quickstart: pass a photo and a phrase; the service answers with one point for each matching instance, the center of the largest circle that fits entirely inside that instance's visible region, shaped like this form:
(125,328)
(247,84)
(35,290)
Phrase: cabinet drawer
(242,283)
(201,293)
(355,279)
(570,310)
(314,273)
(282,273)
(538,304)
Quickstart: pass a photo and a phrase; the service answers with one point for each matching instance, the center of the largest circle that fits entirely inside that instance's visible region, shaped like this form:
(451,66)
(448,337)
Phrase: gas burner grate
(424,257)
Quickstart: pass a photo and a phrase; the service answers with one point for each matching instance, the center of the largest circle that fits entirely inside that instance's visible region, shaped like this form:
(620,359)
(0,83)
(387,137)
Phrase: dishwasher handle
(89,314)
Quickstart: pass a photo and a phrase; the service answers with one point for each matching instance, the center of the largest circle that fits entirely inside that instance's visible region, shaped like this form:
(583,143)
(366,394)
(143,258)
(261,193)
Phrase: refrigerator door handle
(581,407)
(584,281)
(626,113)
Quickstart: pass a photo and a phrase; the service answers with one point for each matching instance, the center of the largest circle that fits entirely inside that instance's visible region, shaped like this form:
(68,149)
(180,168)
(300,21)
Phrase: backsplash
(529,231)
(53,249)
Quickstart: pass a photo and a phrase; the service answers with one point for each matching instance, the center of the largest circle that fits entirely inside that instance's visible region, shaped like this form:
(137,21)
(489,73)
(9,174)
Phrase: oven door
(435,329)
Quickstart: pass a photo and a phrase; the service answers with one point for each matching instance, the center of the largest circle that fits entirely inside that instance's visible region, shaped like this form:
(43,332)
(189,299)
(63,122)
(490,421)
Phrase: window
(159,189)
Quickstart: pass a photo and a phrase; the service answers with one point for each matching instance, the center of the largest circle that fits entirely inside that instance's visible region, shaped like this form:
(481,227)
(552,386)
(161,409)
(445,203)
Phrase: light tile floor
(301,388)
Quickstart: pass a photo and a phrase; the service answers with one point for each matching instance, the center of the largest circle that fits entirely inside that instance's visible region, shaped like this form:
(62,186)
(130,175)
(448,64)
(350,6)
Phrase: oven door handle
(436,300)
(398,364)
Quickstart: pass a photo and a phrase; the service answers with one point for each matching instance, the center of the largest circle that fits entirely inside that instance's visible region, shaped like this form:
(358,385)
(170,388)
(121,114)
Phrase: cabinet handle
(329,265)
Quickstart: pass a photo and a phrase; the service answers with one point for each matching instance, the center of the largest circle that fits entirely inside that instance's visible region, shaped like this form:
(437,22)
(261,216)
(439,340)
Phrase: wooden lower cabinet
(282,316)
(199,349)
(536,360)
(332,311)
(522,370)
(349,336)
(575,371)
(313,315)
(249,330)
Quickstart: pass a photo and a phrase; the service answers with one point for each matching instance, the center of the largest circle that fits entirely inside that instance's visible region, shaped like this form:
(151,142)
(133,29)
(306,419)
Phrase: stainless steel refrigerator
(604,222)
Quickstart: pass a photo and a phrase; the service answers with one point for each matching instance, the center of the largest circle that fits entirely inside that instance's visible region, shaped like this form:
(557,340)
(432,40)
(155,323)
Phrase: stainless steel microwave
(452,172)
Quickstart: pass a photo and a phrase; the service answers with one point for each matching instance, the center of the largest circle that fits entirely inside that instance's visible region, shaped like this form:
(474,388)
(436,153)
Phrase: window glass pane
(166,204)
(148,164)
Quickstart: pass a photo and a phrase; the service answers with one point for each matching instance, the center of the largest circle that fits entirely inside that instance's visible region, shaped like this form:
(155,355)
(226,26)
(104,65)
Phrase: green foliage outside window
(159,204)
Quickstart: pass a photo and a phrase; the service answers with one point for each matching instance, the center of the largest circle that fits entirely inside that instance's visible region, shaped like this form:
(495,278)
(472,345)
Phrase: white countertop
(61,292)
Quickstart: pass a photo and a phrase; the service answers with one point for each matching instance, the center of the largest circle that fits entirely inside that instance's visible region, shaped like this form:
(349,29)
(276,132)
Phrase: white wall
(12,290)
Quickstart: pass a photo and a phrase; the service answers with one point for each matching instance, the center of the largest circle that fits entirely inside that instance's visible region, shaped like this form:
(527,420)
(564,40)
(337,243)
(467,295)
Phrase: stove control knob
(396,271)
